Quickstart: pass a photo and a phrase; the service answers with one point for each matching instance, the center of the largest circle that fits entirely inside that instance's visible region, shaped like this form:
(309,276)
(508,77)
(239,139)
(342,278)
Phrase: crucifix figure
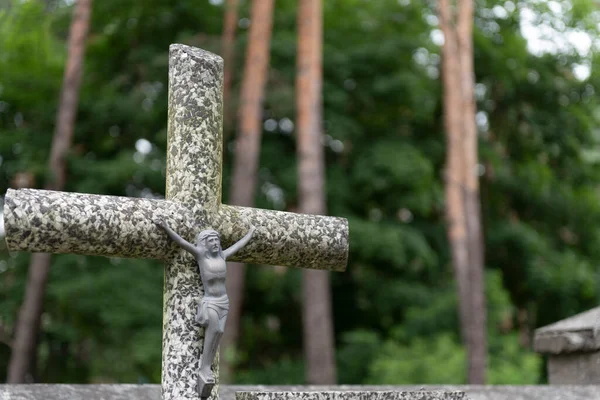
(59,222)
(213,308)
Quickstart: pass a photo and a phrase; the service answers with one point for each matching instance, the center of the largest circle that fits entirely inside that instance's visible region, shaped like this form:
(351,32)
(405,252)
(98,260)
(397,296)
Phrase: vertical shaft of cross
(194,180)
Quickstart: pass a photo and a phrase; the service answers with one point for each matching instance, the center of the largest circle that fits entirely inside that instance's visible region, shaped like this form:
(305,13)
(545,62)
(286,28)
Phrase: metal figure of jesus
(213,308)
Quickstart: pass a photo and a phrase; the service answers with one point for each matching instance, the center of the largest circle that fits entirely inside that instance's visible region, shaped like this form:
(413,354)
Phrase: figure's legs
(211,342)
(218,336)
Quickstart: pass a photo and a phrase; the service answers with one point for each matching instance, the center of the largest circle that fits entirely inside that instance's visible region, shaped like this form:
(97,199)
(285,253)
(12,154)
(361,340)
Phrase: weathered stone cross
(58,222)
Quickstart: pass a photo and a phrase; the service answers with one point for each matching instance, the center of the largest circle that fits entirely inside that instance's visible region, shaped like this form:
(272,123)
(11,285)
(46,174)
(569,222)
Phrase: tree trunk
(247,155)
(28,322)
(227,50)
(316,312)
(462,183)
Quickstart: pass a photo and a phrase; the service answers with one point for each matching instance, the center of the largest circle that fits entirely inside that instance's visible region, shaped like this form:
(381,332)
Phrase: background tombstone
(573,348)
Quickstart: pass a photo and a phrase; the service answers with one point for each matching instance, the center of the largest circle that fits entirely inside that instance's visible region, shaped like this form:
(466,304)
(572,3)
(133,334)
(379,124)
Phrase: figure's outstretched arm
(239,244)
(176,238)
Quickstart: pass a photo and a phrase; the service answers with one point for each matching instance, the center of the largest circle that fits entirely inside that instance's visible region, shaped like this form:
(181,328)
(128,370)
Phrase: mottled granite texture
(473,392)
(79,392)
(153,392)
(283,238)
(57,222)
(194,180)
(355,395)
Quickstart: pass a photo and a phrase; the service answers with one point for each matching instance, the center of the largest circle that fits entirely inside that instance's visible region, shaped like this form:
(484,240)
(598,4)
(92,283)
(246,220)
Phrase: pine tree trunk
(227,50)
(463,208)
(28,322)
(316,313)
(247,155)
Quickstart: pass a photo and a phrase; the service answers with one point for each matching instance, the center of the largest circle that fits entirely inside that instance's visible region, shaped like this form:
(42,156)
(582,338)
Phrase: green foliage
(356,354)
(510,365)
(395,308)
(417,352)
(284,371)
(441,359)
(432,360)
(30,71)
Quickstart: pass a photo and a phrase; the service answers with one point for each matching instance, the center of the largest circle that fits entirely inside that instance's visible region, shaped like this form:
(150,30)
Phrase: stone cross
(58,222)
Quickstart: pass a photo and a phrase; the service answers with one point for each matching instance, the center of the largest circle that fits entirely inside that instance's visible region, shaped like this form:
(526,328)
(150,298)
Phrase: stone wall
(152,392)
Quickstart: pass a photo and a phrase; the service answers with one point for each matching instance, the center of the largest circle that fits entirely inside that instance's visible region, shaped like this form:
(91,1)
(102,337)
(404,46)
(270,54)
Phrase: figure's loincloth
(219,304)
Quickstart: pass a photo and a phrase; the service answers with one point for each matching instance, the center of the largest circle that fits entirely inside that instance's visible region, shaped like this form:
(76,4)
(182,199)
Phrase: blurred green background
(395,309)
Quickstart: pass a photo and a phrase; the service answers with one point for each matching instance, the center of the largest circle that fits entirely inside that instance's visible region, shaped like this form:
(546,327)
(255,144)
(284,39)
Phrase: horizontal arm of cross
(60,222)
(284,238)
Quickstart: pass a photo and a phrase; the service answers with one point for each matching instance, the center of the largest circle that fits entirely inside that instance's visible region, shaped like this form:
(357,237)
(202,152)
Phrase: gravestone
(573,348)
(57,222)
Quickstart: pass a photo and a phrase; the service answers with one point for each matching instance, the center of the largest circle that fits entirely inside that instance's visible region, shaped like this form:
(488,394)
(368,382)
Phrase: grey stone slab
(573,345)
(574,368)
(583,321)
(574,334)
(352,395)
(153,392)
(474,392)
(79,392)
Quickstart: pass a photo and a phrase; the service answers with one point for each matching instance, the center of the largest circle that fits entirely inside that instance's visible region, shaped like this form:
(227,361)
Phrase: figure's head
(211,242)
